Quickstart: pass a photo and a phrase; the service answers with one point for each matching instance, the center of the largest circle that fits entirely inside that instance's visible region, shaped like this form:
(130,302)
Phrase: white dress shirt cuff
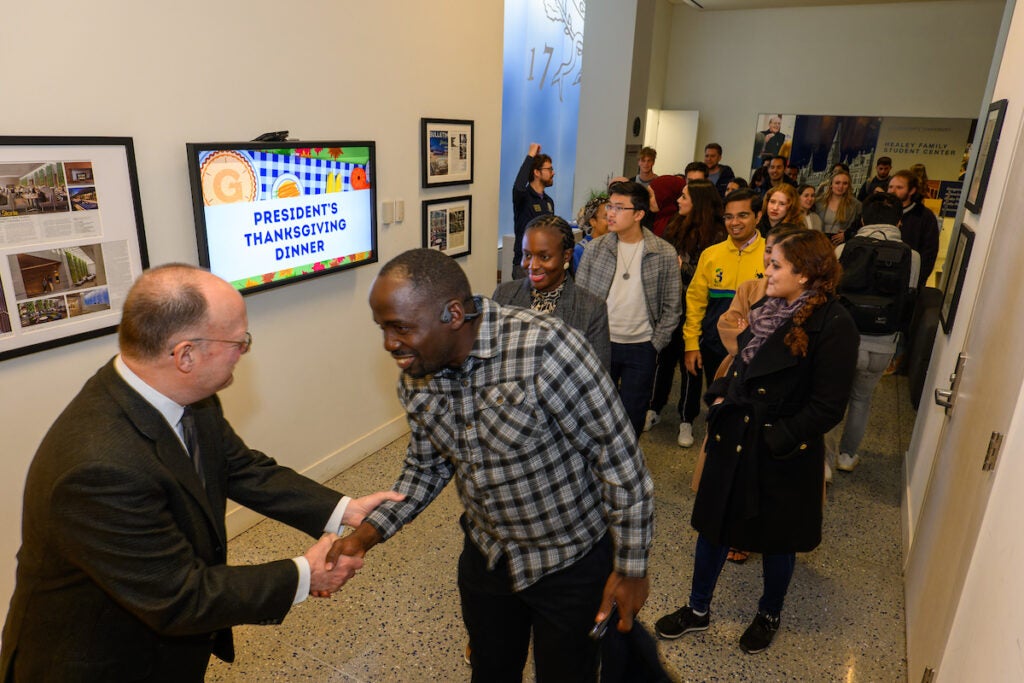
(302,591)
(334,524)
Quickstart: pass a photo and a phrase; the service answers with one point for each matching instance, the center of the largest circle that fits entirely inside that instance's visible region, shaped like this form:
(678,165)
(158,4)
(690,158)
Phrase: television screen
(271,213)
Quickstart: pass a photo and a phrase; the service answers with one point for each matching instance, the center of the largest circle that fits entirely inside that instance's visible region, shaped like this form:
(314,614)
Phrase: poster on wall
(71,239)
(447,225)
(446,152)
(816,143)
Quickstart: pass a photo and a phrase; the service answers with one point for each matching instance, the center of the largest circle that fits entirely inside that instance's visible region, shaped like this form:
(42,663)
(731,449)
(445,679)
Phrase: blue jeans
(633,369)
(870,367)
(708,560)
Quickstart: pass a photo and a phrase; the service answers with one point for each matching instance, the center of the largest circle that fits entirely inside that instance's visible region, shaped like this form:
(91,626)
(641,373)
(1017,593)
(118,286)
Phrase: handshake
(334,560)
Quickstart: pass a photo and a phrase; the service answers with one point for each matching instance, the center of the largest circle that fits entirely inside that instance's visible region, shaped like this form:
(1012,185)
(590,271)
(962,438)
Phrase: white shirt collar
(168,408)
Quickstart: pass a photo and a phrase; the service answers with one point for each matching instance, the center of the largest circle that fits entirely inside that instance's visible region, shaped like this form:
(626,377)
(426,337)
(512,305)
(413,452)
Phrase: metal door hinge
(995,444)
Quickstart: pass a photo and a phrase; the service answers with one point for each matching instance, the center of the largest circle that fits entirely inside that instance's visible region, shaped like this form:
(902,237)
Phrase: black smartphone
(601,627)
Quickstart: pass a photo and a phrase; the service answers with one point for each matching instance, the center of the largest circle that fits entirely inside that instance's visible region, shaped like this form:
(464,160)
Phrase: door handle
(944,398)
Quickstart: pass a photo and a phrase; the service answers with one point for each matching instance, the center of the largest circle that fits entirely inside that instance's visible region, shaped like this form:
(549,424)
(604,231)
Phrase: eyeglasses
(547,168)
(615,208)
(243,346)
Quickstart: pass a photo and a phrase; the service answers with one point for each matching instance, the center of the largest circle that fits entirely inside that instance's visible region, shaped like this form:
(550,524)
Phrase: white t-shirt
(628,322)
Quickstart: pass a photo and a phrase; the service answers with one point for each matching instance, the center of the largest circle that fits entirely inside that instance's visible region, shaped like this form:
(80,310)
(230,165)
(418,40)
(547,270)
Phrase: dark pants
(633,369)
(689,392)
(559,608)
(708,560)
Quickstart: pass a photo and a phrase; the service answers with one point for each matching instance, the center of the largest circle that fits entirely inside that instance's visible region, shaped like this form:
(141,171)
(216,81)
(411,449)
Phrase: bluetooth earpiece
(446,315)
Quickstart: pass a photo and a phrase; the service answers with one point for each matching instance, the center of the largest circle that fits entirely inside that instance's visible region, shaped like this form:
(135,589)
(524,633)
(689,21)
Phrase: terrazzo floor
(399,619)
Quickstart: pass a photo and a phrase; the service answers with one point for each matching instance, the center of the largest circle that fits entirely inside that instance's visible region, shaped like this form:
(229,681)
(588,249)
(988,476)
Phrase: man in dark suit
(122,571)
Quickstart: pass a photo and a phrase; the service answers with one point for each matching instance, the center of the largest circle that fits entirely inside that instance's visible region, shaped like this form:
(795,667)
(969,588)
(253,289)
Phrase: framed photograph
(71,239)
(954,279)
(986,153)
(446,150)
(447,225)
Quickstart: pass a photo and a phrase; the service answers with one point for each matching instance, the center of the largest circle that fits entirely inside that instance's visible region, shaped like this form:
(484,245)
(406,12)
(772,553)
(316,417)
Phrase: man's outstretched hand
(358,508)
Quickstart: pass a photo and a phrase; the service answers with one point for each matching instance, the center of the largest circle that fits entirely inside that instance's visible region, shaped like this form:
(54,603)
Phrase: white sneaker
(652,419)
(828,473)
(685,435)
(847,462)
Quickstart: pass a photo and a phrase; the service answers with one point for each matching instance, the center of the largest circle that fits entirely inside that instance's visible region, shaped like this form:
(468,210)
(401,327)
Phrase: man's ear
(455,311)
(183,355)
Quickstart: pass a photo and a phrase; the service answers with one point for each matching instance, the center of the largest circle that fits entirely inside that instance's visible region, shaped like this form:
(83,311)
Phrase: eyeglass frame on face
(547,168)
(243,346)
(615,208)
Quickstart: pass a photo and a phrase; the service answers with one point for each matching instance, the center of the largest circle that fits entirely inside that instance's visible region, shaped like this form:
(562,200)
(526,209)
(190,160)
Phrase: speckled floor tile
(399,619)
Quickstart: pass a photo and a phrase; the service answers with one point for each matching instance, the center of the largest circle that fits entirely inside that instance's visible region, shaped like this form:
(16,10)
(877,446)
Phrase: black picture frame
(954,280)
(978,184)
(72,216)
(447,152)
(448,225)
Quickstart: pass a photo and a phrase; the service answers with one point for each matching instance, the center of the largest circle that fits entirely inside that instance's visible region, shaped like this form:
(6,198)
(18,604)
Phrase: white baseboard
(239,518)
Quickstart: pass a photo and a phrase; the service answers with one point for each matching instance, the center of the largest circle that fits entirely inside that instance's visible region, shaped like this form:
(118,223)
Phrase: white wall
(604,93)
(318,391)
(892,59)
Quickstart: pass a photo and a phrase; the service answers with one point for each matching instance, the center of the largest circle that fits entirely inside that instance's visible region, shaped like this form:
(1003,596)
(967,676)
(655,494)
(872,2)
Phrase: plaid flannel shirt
(543,455)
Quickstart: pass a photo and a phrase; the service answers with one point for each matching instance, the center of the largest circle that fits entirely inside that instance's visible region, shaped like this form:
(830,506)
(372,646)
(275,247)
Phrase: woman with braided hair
(549,286)
(764,473)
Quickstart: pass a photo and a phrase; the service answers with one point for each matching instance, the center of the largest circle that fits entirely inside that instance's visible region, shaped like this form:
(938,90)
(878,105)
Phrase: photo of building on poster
(33,188)
(438,153)
(57,284)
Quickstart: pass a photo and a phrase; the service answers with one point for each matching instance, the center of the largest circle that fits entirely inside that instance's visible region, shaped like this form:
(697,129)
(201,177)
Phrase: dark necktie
(191,437)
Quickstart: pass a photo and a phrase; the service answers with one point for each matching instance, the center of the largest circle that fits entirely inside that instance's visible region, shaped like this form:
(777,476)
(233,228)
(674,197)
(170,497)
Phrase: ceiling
(717,5)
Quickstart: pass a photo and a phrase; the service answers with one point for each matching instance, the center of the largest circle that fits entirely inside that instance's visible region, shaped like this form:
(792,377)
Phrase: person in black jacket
(919,227)
(529,199)
(761,488)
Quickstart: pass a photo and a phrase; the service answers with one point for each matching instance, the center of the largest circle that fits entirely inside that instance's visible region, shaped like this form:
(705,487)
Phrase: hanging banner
(541,95)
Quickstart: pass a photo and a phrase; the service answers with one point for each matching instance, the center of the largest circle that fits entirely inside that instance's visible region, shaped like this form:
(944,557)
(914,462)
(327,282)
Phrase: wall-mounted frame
(954,279)
(448,225)
(73,239)
(446,151)
(986,153)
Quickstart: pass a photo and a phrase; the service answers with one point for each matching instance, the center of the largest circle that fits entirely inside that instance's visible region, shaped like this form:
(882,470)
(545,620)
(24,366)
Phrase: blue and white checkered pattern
(312,173)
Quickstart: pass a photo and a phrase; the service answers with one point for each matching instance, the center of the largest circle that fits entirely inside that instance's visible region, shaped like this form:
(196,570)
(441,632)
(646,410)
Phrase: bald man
(122,571)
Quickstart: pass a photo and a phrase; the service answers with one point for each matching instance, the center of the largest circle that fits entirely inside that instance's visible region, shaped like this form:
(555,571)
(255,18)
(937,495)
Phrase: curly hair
(589,211)
(812,255)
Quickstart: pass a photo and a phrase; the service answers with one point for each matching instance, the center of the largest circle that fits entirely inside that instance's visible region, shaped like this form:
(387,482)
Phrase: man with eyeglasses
(529,199)
(720,269)
(122,573)
(637,273)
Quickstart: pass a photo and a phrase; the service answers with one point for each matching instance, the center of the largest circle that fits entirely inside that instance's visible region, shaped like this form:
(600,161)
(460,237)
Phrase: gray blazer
(577,307)
(122,572)
(663,286)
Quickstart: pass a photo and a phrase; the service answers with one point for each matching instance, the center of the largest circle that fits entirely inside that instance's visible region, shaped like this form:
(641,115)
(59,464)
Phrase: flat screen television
(272,213)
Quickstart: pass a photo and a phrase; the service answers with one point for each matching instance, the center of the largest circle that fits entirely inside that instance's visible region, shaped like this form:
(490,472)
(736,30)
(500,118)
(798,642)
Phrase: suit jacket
(577,307)
(122,571)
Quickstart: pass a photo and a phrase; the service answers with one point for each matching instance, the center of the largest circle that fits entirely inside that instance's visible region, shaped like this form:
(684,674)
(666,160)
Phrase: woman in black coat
(764,475)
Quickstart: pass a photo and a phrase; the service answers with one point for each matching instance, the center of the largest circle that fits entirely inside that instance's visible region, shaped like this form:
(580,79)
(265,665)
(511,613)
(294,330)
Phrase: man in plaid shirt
(558,501)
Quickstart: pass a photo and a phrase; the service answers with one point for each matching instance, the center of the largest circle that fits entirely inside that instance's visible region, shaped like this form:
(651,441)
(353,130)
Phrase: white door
(991,381)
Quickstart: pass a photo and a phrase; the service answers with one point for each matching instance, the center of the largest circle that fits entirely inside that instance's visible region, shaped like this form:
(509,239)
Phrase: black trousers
(559,609)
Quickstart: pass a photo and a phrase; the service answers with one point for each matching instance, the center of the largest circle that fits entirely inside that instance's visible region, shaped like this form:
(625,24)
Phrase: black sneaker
(681,621)
(759,634)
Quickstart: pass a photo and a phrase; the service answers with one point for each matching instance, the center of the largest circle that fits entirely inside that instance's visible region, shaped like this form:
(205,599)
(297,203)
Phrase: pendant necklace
(625,271)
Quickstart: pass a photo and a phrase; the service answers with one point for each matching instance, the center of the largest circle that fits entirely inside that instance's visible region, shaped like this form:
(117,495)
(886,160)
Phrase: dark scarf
(545,302)
(767,318)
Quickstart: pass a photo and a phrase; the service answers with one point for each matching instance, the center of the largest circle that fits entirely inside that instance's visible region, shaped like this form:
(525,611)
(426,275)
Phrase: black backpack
(875,286)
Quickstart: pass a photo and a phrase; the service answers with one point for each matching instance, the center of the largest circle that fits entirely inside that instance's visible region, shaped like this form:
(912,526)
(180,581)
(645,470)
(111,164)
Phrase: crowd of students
(748,310)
